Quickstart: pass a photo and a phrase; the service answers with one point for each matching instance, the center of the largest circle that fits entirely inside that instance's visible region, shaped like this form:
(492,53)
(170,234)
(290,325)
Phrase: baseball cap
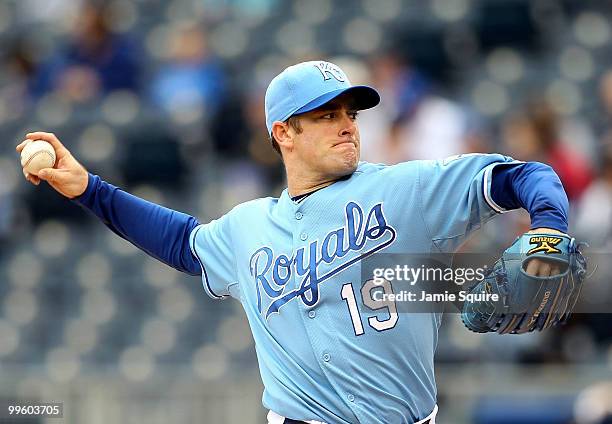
(306,86)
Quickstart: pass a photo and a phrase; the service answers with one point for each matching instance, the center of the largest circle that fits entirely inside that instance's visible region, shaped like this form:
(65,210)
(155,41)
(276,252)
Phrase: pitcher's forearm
(161,232)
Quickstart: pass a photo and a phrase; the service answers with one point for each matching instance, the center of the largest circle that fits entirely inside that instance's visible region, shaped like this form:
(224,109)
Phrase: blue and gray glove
(526,302)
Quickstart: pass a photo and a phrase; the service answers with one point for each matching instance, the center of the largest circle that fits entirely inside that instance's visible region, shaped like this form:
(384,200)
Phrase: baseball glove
(525,302)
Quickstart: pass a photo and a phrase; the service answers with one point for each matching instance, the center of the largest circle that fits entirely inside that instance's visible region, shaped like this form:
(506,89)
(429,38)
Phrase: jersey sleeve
(456,195)
(211,244)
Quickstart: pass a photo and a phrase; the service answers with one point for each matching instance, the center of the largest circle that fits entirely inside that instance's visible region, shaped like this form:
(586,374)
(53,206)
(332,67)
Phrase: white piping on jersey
(206,285)
(486,186)
(486,189)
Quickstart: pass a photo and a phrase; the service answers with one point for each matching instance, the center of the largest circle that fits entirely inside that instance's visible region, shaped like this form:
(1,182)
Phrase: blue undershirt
(534,187)
(161,232)
(164,233)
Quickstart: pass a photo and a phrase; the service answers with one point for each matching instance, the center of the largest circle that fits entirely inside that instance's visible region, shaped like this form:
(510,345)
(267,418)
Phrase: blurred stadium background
(88,320)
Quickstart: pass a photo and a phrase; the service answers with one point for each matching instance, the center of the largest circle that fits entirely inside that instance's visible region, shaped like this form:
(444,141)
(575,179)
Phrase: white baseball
(37,155)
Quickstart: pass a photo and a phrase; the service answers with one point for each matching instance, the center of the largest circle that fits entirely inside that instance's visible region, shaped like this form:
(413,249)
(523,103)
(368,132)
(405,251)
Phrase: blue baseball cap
(306,86)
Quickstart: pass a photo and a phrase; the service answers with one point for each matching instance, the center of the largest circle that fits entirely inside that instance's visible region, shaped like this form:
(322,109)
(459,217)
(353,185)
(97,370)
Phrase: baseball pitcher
(293,262)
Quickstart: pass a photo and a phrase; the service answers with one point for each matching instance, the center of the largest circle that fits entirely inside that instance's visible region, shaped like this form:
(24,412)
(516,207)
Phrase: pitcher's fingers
(31,178)
(555,270)
(50,138)
(532,267)
(21,145)
(544,270)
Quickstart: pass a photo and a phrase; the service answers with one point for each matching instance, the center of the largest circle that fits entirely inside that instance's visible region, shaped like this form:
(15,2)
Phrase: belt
(290,421)
(274,418)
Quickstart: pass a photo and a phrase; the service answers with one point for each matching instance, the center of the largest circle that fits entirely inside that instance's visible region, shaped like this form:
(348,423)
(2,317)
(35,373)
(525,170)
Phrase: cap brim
(364,97)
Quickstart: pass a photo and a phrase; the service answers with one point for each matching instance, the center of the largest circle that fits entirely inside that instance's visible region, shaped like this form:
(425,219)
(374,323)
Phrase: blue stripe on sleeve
(161,232)
(535,187)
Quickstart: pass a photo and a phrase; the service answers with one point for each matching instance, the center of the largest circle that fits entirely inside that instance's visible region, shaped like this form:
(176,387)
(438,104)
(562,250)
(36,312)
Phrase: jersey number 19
(348,294)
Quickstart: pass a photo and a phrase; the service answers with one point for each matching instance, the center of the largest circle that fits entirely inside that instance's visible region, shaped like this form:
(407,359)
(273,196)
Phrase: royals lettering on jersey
(362,234)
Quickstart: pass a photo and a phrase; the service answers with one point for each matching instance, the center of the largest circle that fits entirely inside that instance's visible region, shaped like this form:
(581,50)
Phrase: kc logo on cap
(329,70)
(300,89)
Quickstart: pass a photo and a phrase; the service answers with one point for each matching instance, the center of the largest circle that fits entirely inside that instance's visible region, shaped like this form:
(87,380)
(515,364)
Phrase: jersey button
(326,357)
(303,236)
(299,215)
(312,314)
(351,398)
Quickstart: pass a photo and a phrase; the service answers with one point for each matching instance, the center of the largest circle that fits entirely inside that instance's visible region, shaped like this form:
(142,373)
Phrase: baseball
(37,155)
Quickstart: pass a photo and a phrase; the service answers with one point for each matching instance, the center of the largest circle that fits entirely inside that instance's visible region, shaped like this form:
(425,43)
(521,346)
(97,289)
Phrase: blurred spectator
(191,78)
(605,95)
(17,69)
(94,61)
(163,164)
(259,145)
(478,133)
(603,119)
(533,135)
(417,123)
(434,129)
(594,219)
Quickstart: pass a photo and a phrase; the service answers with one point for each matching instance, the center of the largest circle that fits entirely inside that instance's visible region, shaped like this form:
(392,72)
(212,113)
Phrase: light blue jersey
(295,267)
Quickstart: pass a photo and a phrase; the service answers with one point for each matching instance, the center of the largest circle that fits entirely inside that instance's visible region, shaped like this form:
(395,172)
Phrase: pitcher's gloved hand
(529,302)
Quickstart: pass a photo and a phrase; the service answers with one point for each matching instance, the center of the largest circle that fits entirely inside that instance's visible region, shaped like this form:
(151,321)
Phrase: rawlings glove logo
(544,244)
